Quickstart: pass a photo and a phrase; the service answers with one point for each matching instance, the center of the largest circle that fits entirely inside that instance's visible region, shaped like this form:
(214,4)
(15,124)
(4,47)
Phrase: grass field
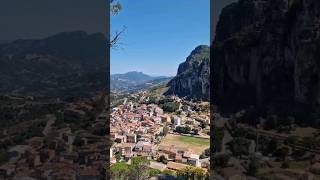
(197,145)
(299,165)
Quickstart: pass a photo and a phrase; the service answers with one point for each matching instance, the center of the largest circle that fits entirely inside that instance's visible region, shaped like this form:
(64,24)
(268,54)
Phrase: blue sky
(160,34)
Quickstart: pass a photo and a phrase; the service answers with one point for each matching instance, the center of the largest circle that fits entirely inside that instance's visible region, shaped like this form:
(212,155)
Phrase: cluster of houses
(179,155)
(137,129)
(60,153)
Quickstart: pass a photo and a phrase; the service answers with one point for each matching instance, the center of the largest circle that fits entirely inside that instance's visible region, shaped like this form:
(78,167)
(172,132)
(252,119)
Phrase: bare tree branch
(115,8)
(114,42)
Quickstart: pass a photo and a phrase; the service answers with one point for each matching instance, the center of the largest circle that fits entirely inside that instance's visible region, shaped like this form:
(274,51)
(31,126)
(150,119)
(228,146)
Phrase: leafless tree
(115,8)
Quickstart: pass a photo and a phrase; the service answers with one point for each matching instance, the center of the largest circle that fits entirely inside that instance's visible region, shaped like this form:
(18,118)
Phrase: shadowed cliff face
(192,79)
(266,54)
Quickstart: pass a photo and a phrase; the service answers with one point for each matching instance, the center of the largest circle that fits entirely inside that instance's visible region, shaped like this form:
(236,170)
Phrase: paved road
(157,165)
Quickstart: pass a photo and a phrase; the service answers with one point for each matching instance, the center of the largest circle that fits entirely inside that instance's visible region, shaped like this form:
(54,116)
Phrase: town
(171,132)
(53,139)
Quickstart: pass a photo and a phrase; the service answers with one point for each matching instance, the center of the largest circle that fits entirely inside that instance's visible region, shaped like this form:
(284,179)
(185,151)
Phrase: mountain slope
(266,55)
(134,81)
(63,64)
(192,79)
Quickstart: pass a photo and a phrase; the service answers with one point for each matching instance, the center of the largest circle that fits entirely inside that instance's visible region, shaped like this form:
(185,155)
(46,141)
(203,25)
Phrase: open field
(299,165)
(305,132)
(198,145)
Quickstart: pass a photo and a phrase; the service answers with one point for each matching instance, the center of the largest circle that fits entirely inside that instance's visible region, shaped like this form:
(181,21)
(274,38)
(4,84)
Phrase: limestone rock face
(192,79)
(266,54)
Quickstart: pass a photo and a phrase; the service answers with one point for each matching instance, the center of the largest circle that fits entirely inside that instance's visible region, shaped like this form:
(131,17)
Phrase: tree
(120,171)
(309,142)
(218,135)
(190,172)
(253,167)
(185,107)
(182,129)
(199,173)
(282,153)
(292,141)
(169,172)
(118,157)
(272,146)
(240,146)
(3,156)
(139,168)
(115,8)
(203,124)
(205,154)
(170,106)
(165,130)
(154,172)
(162,159)
(285,164)
(221,160)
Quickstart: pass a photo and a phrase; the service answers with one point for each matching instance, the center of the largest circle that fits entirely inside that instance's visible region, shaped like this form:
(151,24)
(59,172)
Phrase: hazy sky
(41,18)
(160,33)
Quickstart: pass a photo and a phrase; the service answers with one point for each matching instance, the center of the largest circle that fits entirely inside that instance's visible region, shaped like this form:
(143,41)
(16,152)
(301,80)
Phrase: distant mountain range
(135,81)
(66,64)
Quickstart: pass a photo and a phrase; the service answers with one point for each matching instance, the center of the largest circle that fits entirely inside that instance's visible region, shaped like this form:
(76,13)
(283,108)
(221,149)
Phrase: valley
(159,124)
(133,81)
(53,101)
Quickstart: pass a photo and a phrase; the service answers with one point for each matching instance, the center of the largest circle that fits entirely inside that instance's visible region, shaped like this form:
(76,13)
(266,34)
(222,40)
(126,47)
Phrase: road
(157,165)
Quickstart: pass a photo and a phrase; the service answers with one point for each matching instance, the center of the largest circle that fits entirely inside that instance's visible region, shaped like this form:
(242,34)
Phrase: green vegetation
(163,159)
(221,160)
(120,171)
(165,130)
(158,91)
(137,170)
(218,134)
(205,154)
(292,141)
(140,168)
(194,173)
(253,166)
(170,106)
(183,129)
(194,141)
(240,146)
(115,7)
(169,172)
(285,164)
(3,157)
(309,142)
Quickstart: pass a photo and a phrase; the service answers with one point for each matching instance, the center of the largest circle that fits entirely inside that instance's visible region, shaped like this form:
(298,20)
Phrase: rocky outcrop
(266,54)
(192,79)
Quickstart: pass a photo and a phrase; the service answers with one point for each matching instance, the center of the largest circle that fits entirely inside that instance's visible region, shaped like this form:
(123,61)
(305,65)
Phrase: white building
(176,121)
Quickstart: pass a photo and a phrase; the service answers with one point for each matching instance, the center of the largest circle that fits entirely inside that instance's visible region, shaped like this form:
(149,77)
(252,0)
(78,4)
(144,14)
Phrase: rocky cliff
(192,79)
(266,54)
